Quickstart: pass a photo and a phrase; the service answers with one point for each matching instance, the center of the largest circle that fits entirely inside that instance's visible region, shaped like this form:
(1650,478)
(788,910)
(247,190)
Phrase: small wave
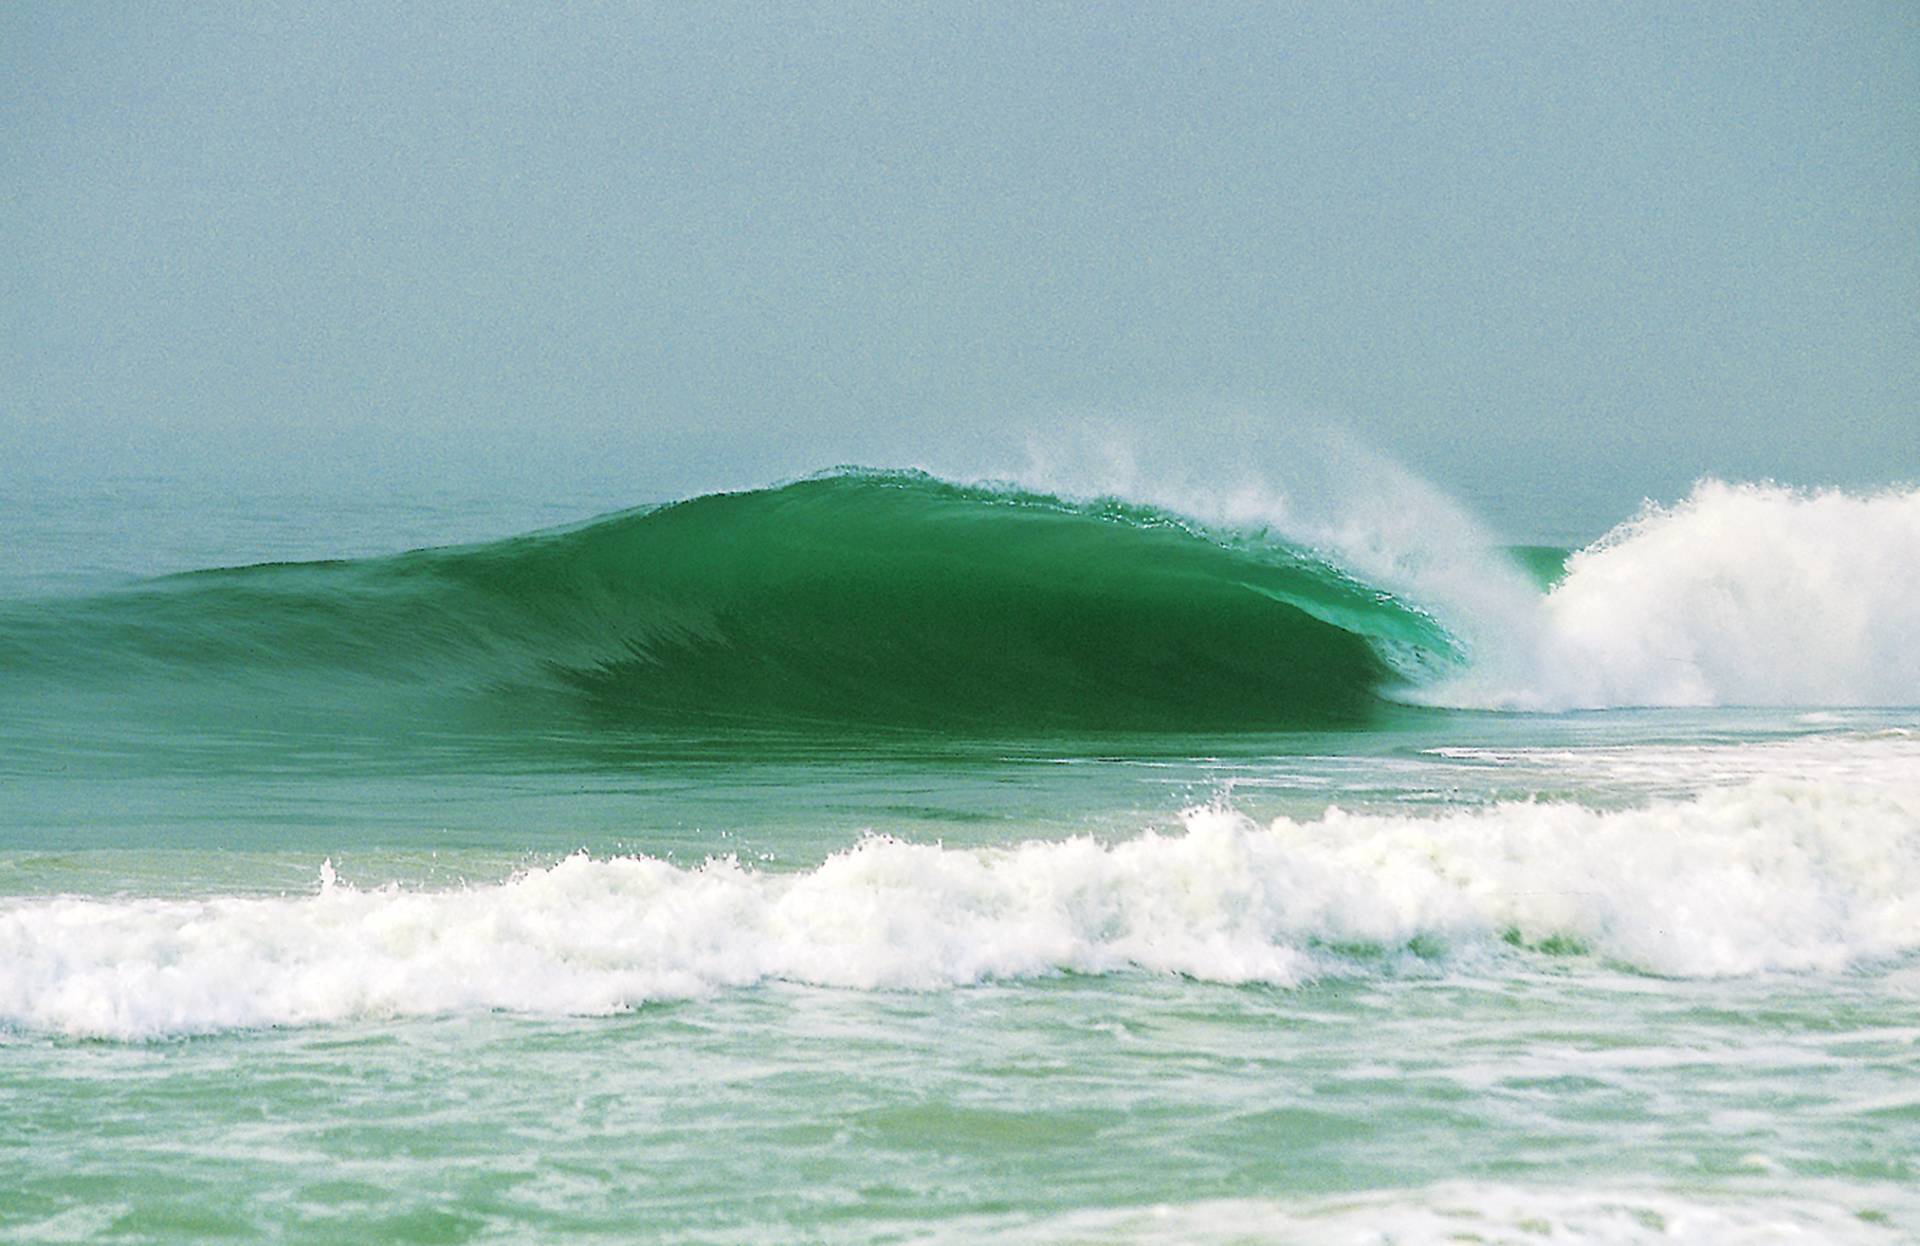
(1771,875)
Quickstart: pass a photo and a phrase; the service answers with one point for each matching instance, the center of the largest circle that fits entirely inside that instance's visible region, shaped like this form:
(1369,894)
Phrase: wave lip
(1767,876)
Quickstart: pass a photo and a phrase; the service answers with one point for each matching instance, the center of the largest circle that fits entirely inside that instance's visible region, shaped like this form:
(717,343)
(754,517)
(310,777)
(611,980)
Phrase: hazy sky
(1566,254)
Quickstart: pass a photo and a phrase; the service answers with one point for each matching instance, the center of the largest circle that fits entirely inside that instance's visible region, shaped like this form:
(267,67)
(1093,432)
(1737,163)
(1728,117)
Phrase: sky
(1555,258)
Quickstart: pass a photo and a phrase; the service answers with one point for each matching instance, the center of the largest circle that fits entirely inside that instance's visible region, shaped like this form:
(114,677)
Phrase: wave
(1741,594)
(1767,876)
(856,596)
(1738,595)
(899,599)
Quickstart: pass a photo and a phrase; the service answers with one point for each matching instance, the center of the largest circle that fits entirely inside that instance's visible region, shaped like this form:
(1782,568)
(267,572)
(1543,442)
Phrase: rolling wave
(857,596)
(899,599)
(1771,875)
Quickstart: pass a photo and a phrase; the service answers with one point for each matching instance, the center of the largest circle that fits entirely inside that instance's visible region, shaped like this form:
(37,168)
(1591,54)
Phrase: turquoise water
(881,859)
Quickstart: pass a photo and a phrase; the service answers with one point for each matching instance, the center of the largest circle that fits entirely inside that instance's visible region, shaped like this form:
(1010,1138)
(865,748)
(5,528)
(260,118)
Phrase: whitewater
(1766,876)
(1737,595)
(1061,856)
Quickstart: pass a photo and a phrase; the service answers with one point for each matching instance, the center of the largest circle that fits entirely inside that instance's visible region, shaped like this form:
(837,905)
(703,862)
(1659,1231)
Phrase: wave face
(1771,875)
(898,599)
(888,598)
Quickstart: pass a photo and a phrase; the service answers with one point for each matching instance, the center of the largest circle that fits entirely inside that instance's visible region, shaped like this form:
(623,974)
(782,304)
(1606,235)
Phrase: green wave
(852,597)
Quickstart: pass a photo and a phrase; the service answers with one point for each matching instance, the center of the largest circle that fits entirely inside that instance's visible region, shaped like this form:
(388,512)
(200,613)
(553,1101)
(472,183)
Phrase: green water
(792,1112)
(387,901)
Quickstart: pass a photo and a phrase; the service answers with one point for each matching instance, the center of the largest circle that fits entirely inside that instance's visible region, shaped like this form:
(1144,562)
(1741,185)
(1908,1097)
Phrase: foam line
(1767,875)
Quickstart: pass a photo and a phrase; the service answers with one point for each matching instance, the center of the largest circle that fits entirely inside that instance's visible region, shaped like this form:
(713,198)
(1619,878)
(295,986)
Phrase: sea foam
(1472,1212)
(1742,594)
(1767,875)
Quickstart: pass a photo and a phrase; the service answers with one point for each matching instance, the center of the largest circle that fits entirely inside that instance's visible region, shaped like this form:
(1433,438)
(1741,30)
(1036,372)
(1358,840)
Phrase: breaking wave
(899,599)
(1771,875)
(1746,594)
(863,597)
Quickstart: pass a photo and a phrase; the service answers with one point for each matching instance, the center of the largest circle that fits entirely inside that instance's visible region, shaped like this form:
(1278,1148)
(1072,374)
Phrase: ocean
(877,857)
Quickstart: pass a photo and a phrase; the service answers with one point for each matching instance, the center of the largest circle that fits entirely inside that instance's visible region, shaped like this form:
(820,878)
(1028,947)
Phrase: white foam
(1887,758)
(1770,875)
(1739,595)
(1475,1212)
(1310,485)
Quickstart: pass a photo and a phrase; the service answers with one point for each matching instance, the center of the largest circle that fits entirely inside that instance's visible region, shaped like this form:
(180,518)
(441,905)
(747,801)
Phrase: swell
(853,597)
